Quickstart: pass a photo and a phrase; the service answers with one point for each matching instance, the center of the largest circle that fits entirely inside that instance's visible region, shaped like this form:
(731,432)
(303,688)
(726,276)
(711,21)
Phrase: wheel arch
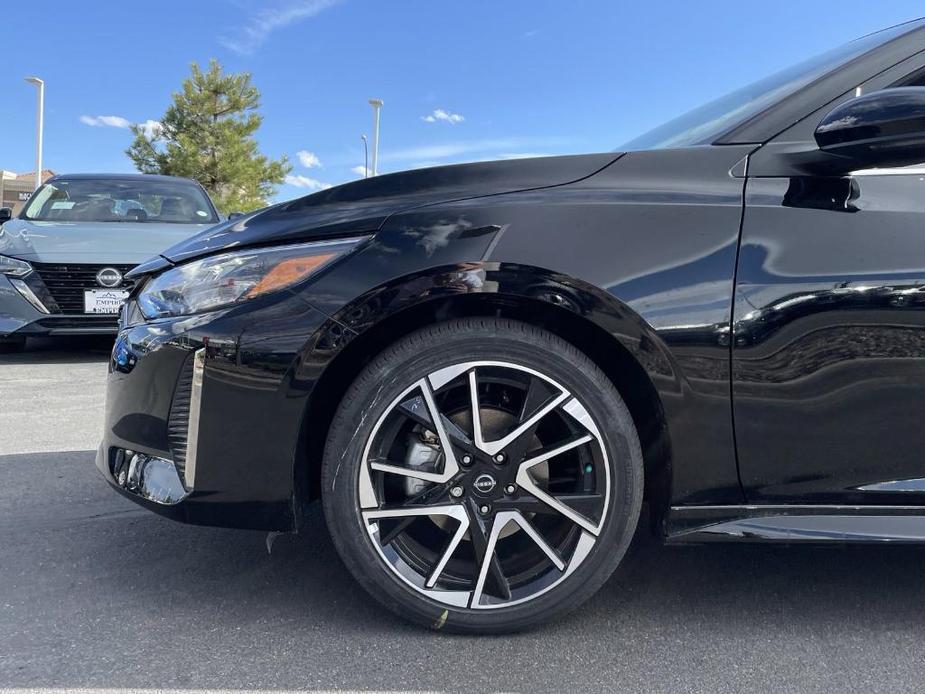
(626,348)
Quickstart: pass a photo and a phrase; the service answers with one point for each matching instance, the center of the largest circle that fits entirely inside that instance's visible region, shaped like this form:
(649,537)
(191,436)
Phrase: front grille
(66,283)
(178,422)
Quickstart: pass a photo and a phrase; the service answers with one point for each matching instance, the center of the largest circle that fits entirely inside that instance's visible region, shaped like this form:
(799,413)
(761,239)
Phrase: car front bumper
(29,309)
(204,414)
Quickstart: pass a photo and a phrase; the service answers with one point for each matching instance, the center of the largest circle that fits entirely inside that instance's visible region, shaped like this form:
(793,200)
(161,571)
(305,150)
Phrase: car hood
(88,242)
(364,205)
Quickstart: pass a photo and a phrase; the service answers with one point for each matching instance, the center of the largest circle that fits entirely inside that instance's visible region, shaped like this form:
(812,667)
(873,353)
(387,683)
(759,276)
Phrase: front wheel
(482,475)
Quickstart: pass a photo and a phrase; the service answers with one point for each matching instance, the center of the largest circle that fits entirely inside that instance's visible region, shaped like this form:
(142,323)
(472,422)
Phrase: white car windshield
(120,200)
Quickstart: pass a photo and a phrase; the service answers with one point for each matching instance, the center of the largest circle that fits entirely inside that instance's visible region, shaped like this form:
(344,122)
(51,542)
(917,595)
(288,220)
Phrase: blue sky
(461,81)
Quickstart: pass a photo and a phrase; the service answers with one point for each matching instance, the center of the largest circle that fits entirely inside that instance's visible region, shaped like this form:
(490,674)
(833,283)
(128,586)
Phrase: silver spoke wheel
(484,485)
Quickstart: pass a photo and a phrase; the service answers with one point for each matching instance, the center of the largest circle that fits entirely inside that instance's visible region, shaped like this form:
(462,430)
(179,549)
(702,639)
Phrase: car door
(828,356)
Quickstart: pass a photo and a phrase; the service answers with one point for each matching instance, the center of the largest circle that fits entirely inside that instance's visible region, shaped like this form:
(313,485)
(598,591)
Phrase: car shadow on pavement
(98,592)
(62,350)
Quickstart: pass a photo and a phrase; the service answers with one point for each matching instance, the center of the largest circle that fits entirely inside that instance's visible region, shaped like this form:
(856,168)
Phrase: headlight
(230,278)
(14,267)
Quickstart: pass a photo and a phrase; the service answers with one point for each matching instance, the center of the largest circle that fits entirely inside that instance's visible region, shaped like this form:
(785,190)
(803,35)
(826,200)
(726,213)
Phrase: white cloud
(361,171)
(441,114)
(258,25)
(307,182)
(151,128)
(308,159)
(105,121)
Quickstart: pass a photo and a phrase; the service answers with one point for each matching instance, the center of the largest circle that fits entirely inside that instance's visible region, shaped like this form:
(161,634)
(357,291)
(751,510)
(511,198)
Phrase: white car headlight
(13,267)
(230,278)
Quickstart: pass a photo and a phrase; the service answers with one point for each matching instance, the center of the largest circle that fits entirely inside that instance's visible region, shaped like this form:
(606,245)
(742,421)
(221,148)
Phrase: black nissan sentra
(483,370)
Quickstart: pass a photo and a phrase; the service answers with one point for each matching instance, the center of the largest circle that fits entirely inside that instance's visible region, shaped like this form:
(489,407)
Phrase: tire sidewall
(414,358)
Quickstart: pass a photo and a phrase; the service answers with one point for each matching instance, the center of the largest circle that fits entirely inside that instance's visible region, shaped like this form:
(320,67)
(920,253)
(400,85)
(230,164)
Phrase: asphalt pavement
(97,594)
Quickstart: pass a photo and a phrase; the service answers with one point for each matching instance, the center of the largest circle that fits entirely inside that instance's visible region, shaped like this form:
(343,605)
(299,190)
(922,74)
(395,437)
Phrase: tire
(577,446)
(12,345)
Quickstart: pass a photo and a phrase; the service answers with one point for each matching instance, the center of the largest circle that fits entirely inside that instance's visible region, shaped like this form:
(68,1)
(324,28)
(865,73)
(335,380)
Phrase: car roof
(121,177)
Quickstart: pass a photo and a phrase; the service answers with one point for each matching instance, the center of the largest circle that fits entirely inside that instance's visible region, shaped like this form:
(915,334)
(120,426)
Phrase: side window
(916,79)
(909,73)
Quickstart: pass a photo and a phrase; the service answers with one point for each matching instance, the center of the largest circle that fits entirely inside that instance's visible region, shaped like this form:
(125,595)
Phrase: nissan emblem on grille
(109,277)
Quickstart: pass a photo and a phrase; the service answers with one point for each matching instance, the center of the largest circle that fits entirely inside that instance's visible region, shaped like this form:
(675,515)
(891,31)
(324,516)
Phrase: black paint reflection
(829,340)
(645,248)
(823,193)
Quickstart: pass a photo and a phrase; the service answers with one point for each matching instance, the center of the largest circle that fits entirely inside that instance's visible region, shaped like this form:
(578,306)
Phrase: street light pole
(39,126)
(377,106)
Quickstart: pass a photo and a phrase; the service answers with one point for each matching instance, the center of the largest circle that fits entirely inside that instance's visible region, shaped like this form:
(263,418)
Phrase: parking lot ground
(97,594)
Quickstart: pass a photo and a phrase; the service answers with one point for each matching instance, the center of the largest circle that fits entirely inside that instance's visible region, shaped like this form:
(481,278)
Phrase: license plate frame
(106,302)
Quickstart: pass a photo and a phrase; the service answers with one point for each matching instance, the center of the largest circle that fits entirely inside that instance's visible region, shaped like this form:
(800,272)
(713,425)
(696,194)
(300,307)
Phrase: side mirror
(6,214)
(234,215)
(883,128)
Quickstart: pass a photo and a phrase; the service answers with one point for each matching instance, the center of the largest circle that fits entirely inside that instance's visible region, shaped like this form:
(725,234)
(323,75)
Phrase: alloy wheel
(484,485)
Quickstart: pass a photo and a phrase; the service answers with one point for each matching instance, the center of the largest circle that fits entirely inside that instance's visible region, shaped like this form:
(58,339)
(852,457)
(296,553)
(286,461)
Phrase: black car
(483,371)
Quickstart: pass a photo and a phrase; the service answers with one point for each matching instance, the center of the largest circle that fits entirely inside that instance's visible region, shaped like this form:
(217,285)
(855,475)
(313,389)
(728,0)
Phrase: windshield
(706,123)
(120,200)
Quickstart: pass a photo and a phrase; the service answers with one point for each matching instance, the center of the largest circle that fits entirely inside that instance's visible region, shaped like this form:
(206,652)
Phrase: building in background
(14,192)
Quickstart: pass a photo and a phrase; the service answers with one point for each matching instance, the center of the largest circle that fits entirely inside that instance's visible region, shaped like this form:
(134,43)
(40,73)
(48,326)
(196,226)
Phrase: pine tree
(207,134)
